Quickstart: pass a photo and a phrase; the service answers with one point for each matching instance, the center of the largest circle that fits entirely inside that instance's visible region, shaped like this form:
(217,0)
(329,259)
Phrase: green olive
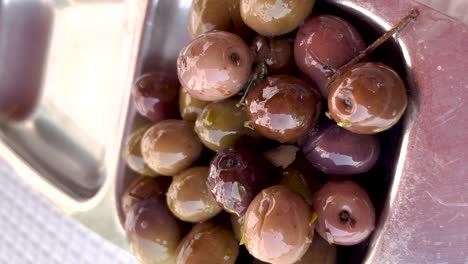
(188,197)
(275,17)
(132,153)
(190,107)
(221,124)
(236,223)
(208,244)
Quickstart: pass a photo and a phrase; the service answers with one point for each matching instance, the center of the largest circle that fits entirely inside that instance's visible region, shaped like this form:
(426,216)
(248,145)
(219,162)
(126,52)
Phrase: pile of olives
(234,161)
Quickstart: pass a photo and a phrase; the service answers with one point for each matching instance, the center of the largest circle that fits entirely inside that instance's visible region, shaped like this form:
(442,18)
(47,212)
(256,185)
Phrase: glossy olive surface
(208,244)
(144,188)
(155,96)
(277,226)
(190,107)
(221,124)
(323,44)
(275,17)
(337,151)
(320,252)
(283,107)
(346,215)
(189,199)
(153,232)
(214,66)
(276,53)
(132,153)
(367,99)
(170,146)
(236,176)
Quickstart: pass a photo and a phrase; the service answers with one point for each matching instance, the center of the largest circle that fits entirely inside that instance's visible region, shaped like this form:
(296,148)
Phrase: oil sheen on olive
(276,53)
(153,233)
(190,107)
(367,99)
(323,44)
(283,108)
(275,17)
(132,153)
(221,124)
(208,244)
(189,199)
(346,215)
(214,66)
(337,151)
(155,95)
(170,146)
(277,226)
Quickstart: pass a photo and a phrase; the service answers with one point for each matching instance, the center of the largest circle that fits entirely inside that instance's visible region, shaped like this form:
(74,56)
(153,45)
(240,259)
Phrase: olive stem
(259,73)
(412,15)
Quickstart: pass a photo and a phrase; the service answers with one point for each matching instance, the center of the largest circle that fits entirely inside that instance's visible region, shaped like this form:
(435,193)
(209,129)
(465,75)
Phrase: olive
(190,107)
(283,108)
(132,153)
(221,124)
(155,96)
(296,182)
(170,146)
(276,53)
(236,223)
(323,44)
(320,252)
(281,156)
(208,244)
(153,233)
(368,98)
(236,176)
(189,199)
(337,151)
(143,188)
(277,226)
(275,17)
(346,215)
(214,66)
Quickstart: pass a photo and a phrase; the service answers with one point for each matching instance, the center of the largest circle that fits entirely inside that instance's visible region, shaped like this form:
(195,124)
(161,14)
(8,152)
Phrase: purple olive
(336,151)
(346,215)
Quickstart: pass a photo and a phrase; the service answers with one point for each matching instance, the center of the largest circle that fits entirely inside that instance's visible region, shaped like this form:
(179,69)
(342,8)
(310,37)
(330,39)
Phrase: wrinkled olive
(221,124)
(153,233)
(143,188)
(190,107)
(155,96)
(208,244)
(277,226)
(276,53)
(132,153)
(189,199)
(283,107)
(368,98)
(170,146)
(320,252)
(346,215)
(214,66)
(275,17)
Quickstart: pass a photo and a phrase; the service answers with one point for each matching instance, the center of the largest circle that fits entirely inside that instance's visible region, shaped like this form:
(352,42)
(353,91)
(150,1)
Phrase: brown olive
(132,153)
(208,244)
(283,107)
(153,233)
(214,66)
(276,53)
(170,146)
(190,107)
(277,226)
(189,199)
(346,215)
(237,222)
(320,252)
(368,98)
(275,17)
(222,124)
(143,188)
